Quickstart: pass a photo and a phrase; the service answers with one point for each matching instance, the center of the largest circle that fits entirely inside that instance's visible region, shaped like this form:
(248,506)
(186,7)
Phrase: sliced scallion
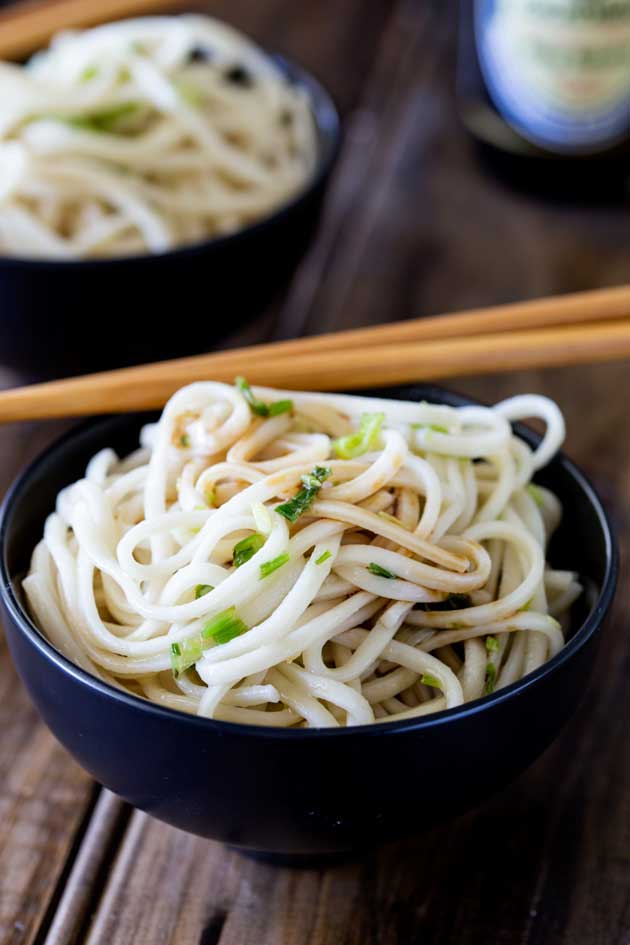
(247,548)
(356,444)
(376,569)
(224,627)
(268,567)
(311,484)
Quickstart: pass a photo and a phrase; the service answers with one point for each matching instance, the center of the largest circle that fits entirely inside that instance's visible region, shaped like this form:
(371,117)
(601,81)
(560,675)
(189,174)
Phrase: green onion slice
(325,555)
(491,678)
(202,589)
(428,680)
(268,567)
(492,644)
(311,484)
(536,495)
(259,407)
(356,444)
(379,571)
(247,548)
(224,627)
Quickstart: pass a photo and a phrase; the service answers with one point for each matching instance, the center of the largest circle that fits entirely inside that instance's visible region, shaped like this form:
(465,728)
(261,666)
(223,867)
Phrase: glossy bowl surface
(304,793)
(76,316)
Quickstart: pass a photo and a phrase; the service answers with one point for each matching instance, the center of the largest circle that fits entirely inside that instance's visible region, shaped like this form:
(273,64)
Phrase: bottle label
(558,71)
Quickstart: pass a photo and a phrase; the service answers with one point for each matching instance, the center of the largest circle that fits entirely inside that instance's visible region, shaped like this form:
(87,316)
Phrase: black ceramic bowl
(72,317)
(303,793)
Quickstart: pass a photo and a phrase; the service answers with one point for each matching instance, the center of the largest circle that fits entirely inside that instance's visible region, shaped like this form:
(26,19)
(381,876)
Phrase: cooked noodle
(274,558)
(143,135)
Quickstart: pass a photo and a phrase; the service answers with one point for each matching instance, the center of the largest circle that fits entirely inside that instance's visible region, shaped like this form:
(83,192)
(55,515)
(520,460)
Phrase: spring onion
(268,567)
(365,438)
(300,502)
(379,571)
(432,427)
(202,589)
(325,555)
(224,627)
(105,121)
(428,680)
(185,654)
(259,407)
(247,548)
(492,644)
(491,678)
(536,495)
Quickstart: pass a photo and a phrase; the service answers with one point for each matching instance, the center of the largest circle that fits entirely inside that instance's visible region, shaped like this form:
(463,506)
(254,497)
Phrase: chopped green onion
(184,441)
(428,680)
(452,602)
(492,644)
(259,407)
(325,555)
(185,654)
(536,495)
(528,604)
(247,548)
(224,627)
(434,427)
(190,92)
(356,444)
(202,589)
(379,571)
(491,678)
(104,121)
(256,406)
(90,72)
(300,502)
(280,406)
(268,567)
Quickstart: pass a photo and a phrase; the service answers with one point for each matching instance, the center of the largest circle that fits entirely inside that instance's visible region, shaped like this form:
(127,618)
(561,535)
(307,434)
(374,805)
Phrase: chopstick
(27,27)
(576,329)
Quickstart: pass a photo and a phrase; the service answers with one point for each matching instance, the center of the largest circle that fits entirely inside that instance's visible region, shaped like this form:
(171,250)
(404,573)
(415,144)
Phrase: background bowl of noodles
(298,794)
(123,307)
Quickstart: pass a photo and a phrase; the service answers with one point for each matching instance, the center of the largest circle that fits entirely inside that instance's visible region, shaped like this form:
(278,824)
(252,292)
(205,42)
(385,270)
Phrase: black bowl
(72,317)
(303,793)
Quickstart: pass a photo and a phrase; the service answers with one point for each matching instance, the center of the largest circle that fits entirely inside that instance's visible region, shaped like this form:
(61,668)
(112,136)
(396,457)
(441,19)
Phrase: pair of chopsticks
(583,328)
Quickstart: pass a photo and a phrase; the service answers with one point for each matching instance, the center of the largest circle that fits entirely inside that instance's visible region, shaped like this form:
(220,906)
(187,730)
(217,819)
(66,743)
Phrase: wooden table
(413,225)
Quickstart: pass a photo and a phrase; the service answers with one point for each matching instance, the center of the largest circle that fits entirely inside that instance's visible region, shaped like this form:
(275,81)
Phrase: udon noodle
(143,135)
(303,559)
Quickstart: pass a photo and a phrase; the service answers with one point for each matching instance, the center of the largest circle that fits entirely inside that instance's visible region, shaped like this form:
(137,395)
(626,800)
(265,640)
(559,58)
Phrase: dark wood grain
(413,225)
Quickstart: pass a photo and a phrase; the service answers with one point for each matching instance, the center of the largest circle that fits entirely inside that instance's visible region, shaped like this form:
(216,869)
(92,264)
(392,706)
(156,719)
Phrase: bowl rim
(590,626)
(328,127)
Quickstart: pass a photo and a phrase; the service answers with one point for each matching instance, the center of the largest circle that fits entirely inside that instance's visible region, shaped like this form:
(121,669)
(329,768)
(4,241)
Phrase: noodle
(297,559)
(144,135)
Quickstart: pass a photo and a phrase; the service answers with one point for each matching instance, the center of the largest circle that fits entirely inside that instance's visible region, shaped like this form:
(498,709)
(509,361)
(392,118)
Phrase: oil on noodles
(302,559)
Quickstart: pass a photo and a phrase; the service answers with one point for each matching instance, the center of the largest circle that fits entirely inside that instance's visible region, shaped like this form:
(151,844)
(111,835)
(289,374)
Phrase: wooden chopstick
(336,362)
(571,309)
(26,27)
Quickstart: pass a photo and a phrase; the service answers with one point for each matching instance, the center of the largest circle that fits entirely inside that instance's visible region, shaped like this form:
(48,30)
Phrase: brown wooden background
(413,225)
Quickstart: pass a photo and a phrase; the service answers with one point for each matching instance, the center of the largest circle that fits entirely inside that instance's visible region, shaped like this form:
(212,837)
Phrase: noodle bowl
(296,559)
(145,135)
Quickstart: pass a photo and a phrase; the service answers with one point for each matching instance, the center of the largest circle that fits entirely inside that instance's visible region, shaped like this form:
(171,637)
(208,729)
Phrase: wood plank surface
(413,225)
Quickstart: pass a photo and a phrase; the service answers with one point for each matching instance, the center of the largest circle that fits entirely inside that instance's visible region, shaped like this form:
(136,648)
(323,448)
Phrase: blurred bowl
(73,317)
(297,795)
